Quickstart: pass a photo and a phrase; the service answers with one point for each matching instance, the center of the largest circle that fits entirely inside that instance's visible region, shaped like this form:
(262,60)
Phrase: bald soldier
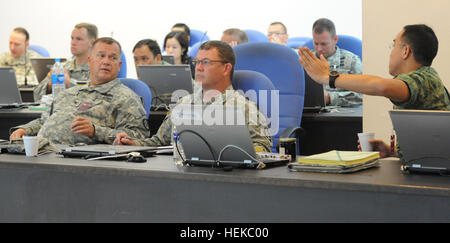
(92,113)
(19,57)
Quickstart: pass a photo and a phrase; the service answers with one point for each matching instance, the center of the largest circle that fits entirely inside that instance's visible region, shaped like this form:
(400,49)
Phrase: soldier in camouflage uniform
(416,85)
(214,65)
(76,68)
(19,57)
(92,113)
(343,61)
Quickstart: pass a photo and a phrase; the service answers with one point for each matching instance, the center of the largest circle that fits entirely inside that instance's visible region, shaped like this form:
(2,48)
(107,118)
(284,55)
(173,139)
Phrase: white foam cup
(31,144)
(364,141)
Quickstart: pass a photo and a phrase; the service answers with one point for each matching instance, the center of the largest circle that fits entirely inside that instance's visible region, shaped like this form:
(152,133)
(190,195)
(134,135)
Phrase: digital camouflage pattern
(344,62)
(111,108)
(22,66)
(76,73)
(255,120)
(427,92)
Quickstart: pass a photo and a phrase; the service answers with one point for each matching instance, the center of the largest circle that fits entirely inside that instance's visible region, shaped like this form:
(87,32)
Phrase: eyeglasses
(205,62)
(393,44)
(275,33)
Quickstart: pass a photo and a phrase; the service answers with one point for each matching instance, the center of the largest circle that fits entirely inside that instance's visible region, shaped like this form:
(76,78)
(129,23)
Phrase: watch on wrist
(333,76)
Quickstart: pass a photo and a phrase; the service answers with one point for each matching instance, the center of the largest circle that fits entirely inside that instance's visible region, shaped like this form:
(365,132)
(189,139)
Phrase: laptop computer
(9,93)
(100,150)
(222,142)
(423,137)
(42,65)
(314,96)
(169,59)
(167,83)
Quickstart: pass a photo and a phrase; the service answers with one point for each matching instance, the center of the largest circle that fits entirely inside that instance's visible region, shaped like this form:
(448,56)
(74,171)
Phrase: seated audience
(76,69)
(214,70)
(92,113)
(277,33)
(234,37)
(19,56)
(343,61)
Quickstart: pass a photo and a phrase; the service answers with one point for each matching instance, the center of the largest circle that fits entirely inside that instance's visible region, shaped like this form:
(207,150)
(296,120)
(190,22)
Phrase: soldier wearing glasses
(214,67)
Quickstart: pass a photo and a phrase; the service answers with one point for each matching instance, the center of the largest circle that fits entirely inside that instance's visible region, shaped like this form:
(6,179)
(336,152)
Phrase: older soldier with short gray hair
(92,113)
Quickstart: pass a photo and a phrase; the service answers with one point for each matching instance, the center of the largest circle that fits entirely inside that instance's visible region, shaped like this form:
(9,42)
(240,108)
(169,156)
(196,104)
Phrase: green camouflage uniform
(111,107)
(255,120)
(427,92)
(344,62)
(76,73)
(22,66)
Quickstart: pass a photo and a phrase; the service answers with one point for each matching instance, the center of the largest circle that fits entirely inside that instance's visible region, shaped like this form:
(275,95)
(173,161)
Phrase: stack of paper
(336,162)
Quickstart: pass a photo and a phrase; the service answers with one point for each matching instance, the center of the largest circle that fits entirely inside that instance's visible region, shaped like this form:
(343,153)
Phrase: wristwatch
(333,76)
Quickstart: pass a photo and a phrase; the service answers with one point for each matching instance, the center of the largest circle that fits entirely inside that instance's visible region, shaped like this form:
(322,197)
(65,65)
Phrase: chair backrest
(346,42)
(141,89)
(40,50)
(256,36)
(123,68)
(251,83)
(198,36)
(193,50)
(295,42)
(280,64)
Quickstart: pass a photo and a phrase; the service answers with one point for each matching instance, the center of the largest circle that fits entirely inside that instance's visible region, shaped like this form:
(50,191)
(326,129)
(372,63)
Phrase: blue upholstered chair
(40,50)
(251,83)
(295,42)
(123,68)
(141,89)
(345,42)
(198,36)
(280,64)
(193,50)
(256,36)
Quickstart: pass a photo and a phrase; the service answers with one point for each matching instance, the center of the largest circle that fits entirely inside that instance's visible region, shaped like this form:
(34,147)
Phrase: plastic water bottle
(57,78)
(176,151)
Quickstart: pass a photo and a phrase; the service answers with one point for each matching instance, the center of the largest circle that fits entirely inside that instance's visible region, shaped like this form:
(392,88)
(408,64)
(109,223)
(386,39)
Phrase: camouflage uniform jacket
(255,120)
(22,66)
(111,108)
(427,92)
(76,73)
(344,62)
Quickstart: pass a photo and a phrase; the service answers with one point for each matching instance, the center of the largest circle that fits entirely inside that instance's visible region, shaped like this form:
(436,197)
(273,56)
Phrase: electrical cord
(261,165)
(204,140)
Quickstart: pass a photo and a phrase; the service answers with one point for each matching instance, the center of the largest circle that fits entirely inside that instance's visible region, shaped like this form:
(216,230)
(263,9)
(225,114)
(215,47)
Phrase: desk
(53,189)
(15,117)
(331,130)
(27,94)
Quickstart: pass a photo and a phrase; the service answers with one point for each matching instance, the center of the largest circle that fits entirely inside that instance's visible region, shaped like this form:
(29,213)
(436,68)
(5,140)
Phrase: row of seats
(346,42)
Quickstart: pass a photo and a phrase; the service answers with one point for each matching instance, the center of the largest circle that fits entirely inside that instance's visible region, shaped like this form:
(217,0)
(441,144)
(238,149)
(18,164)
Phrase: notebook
(167,83)
(314,95)
(42,66)
(218,144)
(9,92)
(423,138)
(97,150)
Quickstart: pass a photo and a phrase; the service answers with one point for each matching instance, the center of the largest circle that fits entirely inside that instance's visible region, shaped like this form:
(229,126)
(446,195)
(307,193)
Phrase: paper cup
(364,141)
(31,144)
